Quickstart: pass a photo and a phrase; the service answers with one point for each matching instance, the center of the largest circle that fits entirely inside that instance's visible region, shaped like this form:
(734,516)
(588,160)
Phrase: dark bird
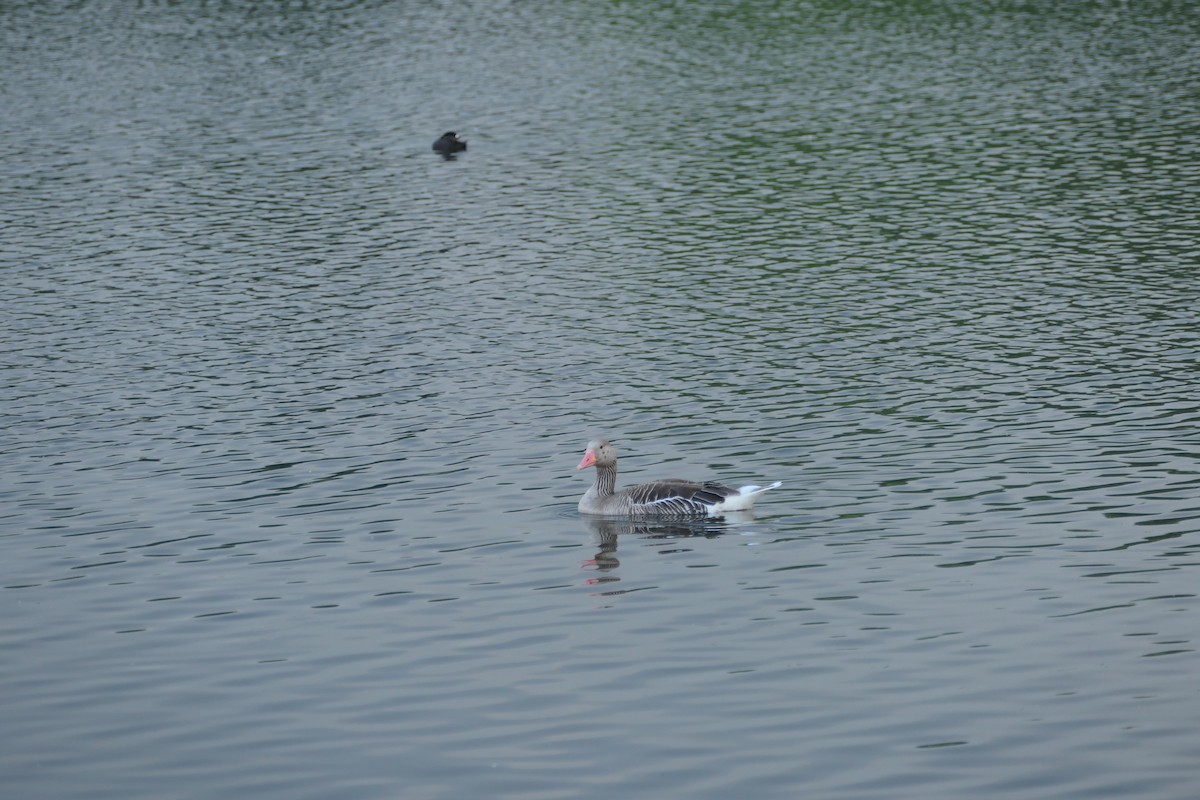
(449,143)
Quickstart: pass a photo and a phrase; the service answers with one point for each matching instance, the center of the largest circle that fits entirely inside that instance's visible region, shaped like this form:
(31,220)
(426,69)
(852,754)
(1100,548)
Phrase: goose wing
(676,497)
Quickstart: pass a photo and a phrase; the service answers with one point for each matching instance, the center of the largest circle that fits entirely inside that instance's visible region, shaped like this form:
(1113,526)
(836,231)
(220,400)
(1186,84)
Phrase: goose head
(599,453)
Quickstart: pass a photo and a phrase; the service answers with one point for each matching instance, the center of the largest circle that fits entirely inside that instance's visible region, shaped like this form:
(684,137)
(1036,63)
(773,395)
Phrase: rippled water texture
(290,404)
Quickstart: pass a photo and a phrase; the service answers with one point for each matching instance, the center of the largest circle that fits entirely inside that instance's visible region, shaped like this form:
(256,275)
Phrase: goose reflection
(608,532)
(607,529)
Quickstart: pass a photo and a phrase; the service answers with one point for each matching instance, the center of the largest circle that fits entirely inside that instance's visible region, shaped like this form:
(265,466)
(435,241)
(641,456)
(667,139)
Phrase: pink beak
(589,458)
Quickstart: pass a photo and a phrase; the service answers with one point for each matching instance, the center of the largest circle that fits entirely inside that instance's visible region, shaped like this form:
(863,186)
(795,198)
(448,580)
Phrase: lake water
(290,404)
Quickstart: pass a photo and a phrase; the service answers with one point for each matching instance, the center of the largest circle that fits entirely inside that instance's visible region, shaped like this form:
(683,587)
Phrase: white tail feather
(744,499)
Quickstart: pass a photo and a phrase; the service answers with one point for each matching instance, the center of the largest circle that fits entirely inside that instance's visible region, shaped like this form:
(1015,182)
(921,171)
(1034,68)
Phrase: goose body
(673,498)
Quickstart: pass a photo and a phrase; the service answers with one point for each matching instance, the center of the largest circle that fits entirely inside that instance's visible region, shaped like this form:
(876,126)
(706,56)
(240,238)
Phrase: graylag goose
(666,499)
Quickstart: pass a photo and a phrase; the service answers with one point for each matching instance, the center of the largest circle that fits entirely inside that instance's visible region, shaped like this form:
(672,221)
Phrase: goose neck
(606,479)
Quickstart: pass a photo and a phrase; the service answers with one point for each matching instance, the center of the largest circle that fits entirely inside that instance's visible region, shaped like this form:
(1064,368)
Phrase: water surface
(290,404)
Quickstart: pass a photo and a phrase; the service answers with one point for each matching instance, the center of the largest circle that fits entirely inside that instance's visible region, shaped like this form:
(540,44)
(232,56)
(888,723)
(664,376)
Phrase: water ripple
(291,405)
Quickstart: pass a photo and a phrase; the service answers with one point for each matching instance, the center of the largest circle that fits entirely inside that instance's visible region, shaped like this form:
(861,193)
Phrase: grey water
(290,405)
